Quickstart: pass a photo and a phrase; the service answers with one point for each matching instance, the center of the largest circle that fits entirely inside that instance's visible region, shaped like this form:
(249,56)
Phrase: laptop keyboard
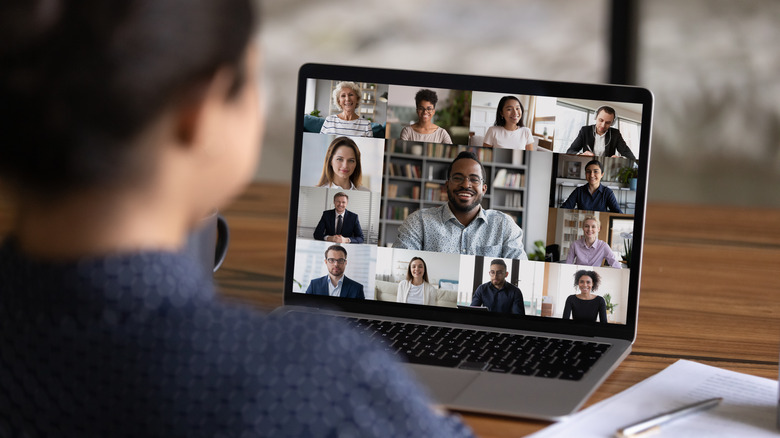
(482,350)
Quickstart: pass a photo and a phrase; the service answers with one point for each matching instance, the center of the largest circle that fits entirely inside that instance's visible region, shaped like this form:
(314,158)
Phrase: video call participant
(342,169)
(600,139)
(508,131)
(339,225)
(498,295)
(461,225)
(416,289)
(586,306)
(336,284)
(346,96)
(593,196)
(109,327)
(589,250)
(424,129)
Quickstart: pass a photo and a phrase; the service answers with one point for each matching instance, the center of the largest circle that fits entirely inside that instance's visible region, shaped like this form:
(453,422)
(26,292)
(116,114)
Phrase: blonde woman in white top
(509,132)
(416,289)
(346,95)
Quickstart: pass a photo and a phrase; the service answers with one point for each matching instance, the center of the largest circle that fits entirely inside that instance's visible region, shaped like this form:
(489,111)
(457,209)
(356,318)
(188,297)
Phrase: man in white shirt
(601,139)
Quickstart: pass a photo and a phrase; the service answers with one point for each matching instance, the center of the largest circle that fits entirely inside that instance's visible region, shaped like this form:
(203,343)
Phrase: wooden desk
(710,288)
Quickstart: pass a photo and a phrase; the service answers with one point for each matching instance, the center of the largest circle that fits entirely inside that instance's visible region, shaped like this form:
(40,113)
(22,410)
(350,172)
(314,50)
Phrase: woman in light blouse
(425,129)
(346,96)
(341,169)
(589,250)
(416,289)
(508,131)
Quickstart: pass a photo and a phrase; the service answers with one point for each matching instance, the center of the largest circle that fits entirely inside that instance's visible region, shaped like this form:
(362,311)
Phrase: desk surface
(709,288)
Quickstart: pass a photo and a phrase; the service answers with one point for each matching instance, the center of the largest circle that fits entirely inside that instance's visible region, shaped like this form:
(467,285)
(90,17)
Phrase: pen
(652,424)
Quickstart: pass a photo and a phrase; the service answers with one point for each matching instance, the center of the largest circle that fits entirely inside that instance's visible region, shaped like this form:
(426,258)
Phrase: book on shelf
(392,190)
(407,170)
(416,192)
(514,200)
(397,212)
(435,150)
(500,178)
(505,178)
(433,191)
(439,150)
(483,154)
(411,171)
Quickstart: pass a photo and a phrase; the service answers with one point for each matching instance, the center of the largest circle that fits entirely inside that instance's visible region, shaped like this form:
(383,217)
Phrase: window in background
(629,129)
(713,71)
(569,119)
(544,117)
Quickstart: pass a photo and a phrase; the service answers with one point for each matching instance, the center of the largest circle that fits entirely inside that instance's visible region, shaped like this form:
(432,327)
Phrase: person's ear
(194,106)
(188,114)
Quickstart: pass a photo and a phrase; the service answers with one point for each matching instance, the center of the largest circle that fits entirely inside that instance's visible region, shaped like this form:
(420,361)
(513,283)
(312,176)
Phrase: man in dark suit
(601,139)
(336,284)
(339,225)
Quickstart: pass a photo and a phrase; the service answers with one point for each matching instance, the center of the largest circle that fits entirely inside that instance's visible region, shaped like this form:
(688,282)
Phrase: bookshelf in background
(570,228)
(415,176)
(368,98)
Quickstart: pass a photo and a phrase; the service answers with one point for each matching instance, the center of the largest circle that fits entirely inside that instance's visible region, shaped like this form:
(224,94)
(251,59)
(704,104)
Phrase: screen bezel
(617,93)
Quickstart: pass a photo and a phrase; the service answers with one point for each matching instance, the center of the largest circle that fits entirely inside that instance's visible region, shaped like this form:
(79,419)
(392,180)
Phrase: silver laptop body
(530,186)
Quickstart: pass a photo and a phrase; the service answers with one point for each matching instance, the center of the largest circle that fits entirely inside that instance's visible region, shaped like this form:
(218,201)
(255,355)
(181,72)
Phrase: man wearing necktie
(339,225)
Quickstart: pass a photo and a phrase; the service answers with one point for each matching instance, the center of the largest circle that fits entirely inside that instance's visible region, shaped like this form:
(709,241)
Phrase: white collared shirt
(335,291)
(352,187)
(600,145)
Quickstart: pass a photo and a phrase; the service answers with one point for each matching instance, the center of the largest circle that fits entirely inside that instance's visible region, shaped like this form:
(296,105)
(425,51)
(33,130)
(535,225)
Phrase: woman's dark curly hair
(592,274)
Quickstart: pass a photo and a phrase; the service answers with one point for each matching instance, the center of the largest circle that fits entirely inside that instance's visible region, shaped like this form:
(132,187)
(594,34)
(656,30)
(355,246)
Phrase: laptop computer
(365,150)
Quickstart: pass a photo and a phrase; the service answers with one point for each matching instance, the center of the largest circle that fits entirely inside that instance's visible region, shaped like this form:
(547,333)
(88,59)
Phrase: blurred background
(712,64)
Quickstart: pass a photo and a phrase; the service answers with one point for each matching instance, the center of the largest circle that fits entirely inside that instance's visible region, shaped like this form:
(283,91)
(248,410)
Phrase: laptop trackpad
(444,384)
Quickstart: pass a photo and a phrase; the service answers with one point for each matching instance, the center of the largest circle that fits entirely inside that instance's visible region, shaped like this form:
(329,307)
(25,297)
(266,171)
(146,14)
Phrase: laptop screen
(497,201)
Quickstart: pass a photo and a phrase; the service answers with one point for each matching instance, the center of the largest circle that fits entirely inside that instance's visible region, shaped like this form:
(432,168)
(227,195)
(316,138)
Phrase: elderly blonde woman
(346,96)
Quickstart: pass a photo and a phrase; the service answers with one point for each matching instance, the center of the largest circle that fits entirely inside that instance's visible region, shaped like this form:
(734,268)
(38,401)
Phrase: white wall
(613,282)
(538,197)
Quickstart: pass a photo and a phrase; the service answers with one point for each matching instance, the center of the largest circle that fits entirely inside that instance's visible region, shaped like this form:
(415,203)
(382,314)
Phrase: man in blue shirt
(461,225)
(593,196)
(498,295)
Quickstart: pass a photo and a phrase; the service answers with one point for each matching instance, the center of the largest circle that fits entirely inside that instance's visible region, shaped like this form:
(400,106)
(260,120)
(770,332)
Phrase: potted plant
(539,251)
(610,305)
(628,240)
(627,175)
(454,116)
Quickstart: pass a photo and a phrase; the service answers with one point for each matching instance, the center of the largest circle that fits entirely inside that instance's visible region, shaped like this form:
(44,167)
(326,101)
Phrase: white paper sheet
(749,406)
